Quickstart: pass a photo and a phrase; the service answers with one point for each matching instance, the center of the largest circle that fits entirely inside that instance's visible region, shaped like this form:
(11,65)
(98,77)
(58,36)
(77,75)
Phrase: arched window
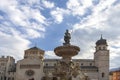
(46,64)
(99,48)
(103,48)
(103,74)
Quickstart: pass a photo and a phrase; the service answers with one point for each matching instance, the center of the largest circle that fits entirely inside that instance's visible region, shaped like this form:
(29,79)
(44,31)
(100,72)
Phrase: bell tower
(101,58)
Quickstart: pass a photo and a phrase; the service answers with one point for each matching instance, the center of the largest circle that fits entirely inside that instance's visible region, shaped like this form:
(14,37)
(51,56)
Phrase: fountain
(65,68)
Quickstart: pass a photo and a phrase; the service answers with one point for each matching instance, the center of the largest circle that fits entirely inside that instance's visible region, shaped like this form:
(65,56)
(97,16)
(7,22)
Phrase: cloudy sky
(26,23)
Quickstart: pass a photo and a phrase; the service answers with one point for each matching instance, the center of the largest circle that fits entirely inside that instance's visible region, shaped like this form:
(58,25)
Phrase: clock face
(29,72)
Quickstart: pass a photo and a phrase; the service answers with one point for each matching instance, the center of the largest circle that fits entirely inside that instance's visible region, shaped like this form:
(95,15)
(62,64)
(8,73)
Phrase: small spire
(101,37)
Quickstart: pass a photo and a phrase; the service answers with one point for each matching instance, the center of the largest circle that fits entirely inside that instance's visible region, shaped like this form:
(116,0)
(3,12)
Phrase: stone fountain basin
(66,50)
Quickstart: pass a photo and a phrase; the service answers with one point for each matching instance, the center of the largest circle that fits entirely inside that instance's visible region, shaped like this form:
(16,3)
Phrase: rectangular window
(103,74)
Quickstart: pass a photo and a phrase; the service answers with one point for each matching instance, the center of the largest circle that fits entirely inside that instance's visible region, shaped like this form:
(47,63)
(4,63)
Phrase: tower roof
(101,41)
(35,48)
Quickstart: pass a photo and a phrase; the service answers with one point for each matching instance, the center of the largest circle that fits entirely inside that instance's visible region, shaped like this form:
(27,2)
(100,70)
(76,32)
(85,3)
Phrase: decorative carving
(30,72)
(35,66)
(66,69)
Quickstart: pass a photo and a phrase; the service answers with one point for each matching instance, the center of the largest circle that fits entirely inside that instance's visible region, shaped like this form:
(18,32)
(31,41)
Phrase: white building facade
(35,67)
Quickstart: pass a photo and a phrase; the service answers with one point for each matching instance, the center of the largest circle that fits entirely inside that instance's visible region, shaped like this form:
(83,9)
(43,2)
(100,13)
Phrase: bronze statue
(67,38)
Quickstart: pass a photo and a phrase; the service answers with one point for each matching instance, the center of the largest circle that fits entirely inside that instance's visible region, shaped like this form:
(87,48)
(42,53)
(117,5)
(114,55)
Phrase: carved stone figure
(67,38)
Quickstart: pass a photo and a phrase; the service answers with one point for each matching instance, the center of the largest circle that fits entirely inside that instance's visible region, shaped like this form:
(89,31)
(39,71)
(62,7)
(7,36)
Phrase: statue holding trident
(67,38)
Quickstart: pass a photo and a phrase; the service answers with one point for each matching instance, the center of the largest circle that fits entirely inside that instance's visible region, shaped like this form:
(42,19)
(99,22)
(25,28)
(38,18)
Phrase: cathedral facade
(35,67)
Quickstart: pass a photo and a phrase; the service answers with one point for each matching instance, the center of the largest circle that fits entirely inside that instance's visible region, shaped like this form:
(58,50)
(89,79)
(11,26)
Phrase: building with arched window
(34,67)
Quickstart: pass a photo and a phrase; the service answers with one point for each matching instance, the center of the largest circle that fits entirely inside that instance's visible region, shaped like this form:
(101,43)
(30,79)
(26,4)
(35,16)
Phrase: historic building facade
(115,74)
(35,67)
(7,64)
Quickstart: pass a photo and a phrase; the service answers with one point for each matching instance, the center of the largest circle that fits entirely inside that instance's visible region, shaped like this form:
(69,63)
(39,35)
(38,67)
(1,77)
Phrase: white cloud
(104,19)
(7,3)
(86,44)
(79,7)
(35,14)
(32,2)
(19,24)
(114,46)
(58,17)
(48,4)
(24,17)
(22,22)
(35,26)
(13,44)
(1,17)
(76,8)
(58,14)
(50,55)
(33,33)
(103,4)
(98,18)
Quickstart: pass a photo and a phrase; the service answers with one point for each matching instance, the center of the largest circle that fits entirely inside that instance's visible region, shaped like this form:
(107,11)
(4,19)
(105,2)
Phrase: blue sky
(26,23)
